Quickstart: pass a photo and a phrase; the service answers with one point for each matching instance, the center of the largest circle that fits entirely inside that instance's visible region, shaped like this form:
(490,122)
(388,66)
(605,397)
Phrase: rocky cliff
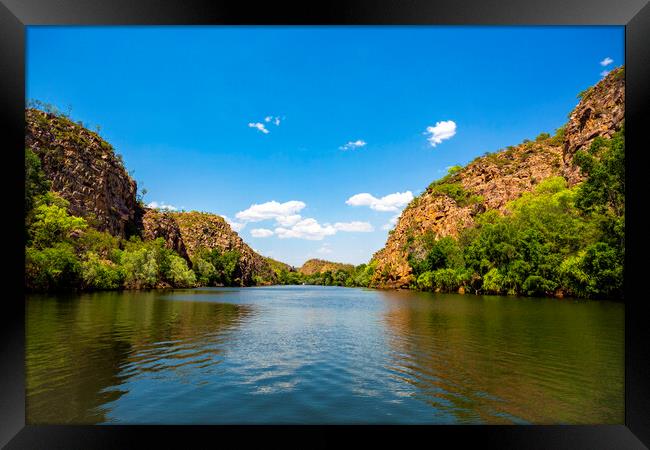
(189,232)
(600,112)
(84,169)
(317,266)
(160,224)
(490,182)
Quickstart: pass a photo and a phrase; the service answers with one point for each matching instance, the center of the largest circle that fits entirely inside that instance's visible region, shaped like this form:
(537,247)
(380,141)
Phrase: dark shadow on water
(491,359)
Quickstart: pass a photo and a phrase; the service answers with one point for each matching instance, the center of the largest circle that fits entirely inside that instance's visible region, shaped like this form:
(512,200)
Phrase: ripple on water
(321,355)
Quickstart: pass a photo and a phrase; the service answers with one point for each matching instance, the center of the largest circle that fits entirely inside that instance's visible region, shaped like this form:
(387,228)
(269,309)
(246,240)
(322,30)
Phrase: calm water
(322,355)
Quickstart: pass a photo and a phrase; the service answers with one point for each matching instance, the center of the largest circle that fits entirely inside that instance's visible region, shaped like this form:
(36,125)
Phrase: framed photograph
(288,225)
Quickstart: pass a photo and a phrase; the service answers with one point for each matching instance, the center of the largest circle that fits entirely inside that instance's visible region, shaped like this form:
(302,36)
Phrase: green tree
(52,268)
(52,224)
(36,184)
(140,268)
(97,273)
(180,274)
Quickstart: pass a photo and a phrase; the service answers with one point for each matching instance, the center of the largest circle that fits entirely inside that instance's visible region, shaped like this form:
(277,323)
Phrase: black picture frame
(633,14)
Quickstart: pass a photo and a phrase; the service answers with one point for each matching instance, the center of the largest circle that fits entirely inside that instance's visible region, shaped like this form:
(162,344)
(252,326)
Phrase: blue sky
(220,119)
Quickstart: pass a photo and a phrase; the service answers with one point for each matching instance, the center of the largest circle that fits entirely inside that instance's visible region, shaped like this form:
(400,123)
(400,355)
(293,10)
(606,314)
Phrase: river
(311,354)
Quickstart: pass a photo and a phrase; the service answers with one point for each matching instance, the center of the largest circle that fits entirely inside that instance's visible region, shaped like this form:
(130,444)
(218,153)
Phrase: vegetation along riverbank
(544,217)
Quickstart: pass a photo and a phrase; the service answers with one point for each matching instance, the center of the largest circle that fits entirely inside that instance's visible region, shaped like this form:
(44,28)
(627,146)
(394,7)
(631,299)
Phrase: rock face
(491,181)
(188,232)
(158,224)
(84,169)
(600,113)
(317,266)
(200,230)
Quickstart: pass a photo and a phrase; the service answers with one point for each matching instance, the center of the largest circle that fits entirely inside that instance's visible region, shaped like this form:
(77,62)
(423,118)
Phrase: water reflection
(321,355)
(82,350)
(505,360)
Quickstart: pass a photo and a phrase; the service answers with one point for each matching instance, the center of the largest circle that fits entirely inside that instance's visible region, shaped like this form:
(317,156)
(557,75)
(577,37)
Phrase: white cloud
(287,221)
(284,213)
(308,229)
(355,226)
(290,224)
(275,120)
(606,62)
(604,73)
(236,226)
(261,232)
(162,205)
(259,126)
(325,248)
(390,202)
(441,131)
(391,223)
(352,145)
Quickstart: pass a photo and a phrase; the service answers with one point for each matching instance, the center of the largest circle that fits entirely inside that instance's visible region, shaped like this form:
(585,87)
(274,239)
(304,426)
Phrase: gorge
(78,174)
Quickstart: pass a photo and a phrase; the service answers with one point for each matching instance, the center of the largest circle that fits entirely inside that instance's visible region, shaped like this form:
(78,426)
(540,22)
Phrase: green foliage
(453,170)
(140,267)
(36,184)
(538,286)
(446,279)
(425,281)
(97,273)
(558,139)
(180,274)
(604,164)
(620,74)
(101,243)
(52,268)
(438,253)
(494,282)
(554,238)
(362,275)
(52,224)
(604,269)
(456,192)
(204,270)
(289,277)
(542,137)
(49,108)
(584,94)
(219,268)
